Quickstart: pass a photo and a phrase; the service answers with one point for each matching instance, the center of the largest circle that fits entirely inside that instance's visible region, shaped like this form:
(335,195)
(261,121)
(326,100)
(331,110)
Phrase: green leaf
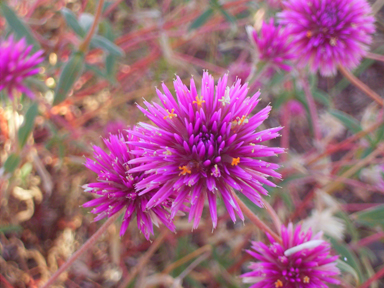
(7,229)
(322,97)
(28,124)
(348,121)
(70,73)
(86,21)
(380,134)
(350,227)
(96,70)
(110,62)
(11,163)
(72,22)
(344,267)
(227,16)
(371,217)
(199,21)
(347,256)
(281,99)
(20,29)
(107,46)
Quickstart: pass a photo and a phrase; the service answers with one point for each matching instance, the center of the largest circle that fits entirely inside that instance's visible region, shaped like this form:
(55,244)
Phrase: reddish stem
(379,274)
(5,282)
(375,56)
(360,85)
(370,239)
(256,220)
(82,249)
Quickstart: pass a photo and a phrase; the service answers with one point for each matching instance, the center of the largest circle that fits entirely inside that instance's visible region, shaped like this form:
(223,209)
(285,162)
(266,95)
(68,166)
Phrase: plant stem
(330,188)
(345,142)
(375,277)
(84,46)
(82,249)
(274,216)
(360,85)
(144,259)
(375,56)
(256,220)
(312,109)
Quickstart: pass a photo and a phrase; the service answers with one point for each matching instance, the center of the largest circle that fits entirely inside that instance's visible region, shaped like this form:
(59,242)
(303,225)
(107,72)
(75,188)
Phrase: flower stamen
(185,170)
(199,101)
(306,279)
(235,161)
(170,114)
(225,99)
(278,283)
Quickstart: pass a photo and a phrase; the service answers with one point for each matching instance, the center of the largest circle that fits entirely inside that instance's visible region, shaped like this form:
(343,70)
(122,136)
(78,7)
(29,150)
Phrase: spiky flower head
(16,64)
(328,33)
(301,261)
(204,146)
(272,45)
(115,186)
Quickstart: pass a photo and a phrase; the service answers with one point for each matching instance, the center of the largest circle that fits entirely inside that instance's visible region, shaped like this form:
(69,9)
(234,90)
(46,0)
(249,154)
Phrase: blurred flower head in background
(301,261)
(328,33)
(115,186)
(239,70)
(374,175)
(272,44)
(204,145)
(325,221)
(115,127)
(16,64)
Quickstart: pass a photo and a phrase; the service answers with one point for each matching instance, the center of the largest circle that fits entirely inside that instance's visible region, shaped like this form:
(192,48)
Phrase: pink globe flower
(273,45)
(204,146)
(116,188)
(301,261)
(16,64)
(328,33)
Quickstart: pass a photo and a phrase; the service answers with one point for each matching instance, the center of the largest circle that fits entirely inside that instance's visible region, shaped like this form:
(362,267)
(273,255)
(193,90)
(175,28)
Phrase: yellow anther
(167,152)
(235,161)
(306,279)
(199,101)
(225,99)
(170,114)
(185,170)
(239,121)
(278,283)
(243,120)
(309,34)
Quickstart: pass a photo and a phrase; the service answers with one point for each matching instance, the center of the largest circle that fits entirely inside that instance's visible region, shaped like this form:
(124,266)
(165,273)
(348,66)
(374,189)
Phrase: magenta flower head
(115,186)
(302,261)
(16,64)
(272,44)
(203,146)
(328,33)
(296,108)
